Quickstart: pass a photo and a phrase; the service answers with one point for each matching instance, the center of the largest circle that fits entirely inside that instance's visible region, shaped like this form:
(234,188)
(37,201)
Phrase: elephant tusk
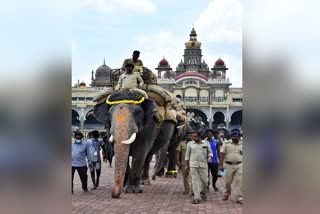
(131,139)
(111,138)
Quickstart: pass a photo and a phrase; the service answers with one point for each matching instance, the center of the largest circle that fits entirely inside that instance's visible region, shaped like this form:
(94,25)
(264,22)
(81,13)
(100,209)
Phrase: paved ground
(162,196)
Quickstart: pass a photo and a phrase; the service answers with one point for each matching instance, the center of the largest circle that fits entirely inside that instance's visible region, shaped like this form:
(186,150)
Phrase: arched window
(204,96)
(190,95)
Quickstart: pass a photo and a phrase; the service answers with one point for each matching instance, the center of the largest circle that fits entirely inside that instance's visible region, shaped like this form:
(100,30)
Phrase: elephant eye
(136,111)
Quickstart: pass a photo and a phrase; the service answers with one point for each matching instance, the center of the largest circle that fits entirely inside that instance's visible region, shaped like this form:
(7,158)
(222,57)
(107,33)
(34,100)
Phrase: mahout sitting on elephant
(135,132)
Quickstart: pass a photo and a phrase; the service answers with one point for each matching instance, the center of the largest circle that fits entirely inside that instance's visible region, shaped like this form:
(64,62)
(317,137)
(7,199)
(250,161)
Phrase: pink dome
(82,84)
(219,62)
(164,62)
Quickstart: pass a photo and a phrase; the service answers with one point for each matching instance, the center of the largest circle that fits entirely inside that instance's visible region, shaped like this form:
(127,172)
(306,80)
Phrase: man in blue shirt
(94,145)
(80,151)
(213,139)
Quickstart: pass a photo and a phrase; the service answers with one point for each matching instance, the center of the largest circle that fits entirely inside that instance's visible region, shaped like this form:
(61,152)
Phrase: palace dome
(82,84)
(219,62)
(163,62)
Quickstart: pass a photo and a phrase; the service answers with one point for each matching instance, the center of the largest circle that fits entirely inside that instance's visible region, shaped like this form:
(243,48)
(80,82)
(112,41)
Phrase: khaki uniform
(130,81)
(197,154)
(233,154)
(136,63)
(182,148)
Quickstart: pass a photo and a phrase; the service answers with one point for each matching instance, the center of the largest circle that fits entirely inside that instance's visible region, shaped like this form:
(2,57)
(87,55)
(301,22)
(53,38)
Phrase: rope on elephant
(125,96)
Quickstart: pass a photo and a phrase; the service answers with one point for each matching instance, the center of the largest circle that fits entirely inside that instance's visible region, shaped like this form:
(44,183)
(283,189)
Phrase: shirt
(232,152)
(129,81)
(182,147)
(80,152)
(213,144)
(94,150)
(138,62)
(197,154)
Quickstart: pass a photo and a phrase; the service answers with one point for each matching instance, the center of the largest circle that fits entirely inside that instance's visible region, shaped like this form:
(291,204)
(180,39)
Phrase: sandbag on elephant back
(101,96)
(159,95)
(164,100)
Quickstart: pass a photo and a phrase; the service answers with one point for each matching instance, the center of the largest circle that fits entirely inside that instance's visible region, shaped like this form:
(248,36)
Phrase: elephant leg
(145,174)
(126,178)
(140,150)
(172,157)
(162,155)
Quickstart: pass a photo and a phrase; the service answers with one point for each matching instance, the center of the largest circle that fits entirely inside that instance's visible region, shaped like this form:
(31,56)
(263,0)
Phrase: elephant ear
(150,108)
(101,113)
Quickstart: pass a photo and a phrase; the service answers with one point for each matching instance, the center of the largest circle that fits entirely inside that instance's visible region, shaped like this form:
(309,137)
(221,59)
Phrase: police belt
(233,163)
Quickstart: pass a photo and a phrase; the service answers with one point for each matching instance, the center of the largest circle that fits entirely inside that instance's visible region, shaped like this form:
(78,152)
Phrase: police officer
(231,157)
(198,155)
(180,156)
(134,60)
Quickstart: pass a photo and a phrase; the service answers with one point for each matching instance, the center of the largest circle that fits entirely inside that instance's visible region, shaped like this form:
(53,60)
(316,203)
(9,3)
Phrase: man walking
(180,156)
(198,155)
(212,138)
(80,151)
(231,155)
(95,159)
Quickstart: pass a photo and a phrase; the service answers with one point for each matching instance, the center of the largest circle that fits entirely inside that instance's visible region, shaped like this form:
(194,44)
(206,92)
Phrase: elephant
(135,132)
(198,125)
(168,152)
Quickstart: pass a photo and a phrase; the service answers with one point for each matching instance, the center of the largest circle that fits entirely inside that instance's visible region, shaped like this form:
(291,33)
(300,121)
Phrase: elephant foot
(133,189)
(171,174)
(137,189)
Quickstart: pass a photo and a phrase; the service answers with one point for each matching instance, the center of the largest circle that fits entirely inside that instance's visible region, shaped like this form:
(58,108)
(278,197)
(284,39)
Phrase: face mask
(78,141)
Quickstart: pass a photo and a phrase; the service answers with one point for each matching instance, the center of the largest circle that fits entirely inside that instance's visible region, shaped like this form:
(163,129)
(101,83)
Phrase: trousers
(233,173)
(185,175)
(199,177)
(82,171)
(214,168)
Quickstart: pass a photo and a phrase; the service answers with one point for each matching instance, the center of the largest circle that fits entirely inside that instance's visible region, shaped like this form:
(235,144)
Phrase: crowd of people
(199,157)
(195,156)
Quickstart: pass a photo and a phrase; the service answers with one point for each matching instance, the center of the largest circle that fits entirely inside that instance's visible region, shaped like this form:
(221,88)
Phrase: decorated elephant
(168,152)
(135,132)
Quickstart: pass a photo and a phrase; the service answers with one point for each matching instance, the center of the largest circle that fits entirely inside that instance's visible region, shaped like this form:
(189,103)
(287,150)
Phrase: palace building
(206,91)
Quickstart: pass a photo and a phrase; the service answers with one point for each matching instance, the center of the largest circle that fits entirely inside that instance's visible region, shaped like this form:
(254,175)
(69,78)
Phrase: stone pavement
(162,196)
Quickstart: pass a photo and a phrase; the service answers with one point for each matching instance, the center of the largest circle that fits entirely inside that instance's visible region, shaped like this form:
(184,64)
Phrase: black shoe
(203,197)
(195,201)
(85,190)
(216,189)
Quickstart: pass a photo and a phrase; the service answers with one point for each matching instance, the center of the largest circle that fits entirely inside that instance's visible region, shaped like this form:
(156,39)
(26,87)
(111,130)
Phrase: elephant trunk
(121,158)
(123,132)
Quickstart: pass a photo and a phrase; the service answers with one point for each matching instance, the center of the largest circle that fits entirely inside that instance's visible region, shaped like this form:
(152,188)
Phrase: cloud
(74,45)
(158,45)
(221,21)
(116,6)
(155,46)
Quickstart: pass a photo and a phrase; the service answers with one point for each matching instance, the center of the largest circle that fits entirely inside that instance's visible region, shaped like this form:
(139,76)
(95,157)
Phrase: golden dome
(193,44)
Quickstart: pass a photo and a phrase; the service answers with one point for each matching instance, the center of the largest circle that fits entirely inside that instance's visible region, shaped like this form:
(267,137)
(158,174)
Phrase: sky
(112,29)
